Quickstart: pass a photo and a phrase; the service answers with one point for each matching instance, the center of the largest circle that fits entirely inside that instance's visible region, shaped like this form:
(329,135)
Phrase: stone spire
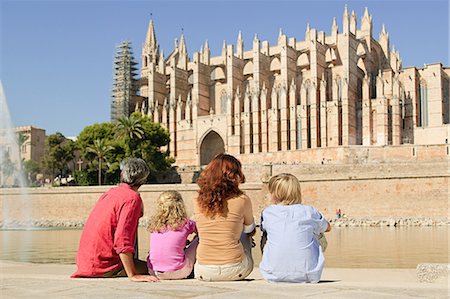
(182,44)
(151,45)
(384,41)
(334,31)
(366,23)
(240,46)
(345,21)
(224,49)
(307,32)
(162,63)
(334,26)
(206,53)
(183,55)
(256,43)
(353,23)
(150,39)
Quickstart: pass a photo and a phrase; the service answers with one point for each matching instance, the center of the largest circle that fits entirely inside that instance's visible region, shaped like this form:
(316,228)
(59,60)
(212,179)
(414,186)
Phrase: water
(348,247)
(11,173)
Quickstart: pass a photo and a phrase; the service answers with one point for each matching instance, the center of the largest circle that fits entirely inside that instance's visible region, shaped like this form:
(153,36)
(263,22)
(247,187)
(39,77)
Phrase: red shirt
(110,230)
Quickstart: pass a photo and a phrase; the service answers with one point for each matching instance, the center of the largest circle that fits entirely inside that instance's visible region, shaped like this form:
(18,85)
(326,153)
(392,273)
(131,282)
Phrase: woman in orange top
(225,222)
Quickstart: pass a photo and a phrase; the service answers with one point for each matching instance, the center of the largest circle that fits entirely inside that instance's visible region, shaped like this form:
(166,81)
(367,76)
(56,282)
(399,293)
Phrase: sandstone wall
(361,198)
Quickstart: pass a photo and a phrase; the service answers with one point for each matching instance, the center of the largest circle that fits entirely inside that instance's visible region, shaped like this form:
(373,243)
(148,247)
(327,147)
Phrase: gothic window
(445,102)
(307,90)
(373,86)
(299,133)
(329,91)
(223,103)
(423,105)
(339,89)
(308,114)
(403,112)
(358,113)
(145,61)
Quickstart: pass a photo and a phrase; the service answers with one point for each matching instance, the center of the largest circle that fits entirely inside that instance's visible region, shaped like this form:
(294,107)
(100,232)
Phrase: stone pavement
(26,280)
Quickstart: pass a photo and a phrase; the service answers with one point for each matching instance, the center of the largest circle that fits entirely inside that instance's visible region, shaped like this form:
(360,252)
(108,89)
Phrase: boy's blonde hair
(170,212)
(285,189)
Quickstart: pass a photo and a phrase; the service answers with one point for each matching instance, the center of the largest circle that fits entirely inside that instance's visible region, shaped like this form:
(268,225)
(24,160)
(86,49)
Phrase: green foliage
(84,177)
(93,132)
(59,151)
(136,136)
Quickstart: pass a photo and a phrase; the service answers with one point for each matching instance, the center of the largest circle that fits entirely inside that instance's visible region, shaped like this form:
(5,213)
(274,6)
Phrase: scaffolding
(125,85)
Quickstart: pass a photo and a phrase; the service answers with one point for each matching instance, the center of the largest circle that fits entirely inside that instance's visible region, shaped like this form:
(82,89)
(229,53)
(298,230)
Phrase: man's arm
(128,264)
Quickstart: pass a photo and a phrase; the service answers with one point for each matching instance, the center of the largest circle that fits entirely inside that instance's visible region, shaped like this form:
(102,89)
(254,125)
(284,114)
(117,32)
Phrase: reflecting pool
(348,247)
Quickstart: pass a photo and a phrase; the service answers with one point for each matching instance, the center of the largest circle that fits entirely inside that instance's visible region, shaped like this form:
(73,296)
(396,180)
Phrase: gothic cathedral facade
(338,90)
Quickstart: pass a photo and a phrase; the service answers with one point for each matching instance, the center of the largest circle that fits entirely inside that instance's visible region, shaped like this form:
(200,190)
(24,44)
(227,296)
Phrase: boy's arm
(128,264)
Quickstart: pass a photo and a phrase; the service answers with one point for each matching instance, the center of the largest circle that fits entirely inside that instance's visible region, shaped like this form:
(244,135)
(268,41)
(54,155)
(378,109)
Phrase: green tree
(59,152)
(100,148)
(136,136)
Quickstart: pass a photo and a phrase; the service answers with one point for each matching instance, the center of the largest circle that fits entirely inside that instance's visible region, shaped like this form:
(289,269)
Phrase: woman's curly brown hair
(219,182)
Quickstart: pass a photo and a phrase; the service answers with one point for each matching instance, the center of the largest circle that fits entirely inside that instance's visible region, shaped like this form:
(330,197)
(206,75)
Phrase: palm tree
(100,148)
(129,129)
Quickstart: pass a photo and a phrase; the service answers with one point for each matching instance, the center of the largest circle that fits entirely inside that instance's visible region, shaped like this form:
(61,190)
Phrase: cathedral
(342,89)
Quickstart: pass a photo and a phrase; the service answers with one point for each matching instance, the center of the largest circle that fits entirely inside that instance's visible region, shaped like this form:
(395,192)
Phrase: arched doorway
(211,145)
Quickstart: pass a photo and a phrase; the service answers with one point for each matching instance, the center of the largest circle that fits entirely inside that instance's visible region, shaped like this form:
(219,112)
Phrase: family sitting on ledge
(222,226)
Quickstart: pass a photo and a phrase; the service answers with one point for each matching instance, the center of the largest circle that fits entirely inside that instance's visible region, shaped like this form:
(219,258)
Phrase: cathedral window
(299,133)
(223,103)
(373,86)
(403,112)
(329,90)
(423,105)
(445,102)
(339,90)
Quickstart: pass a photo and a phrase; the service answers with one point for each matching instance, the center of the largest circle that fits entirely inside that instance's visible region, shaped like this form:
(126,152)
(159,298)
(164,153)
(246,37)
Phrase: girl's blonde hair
(170,212)
(285,189)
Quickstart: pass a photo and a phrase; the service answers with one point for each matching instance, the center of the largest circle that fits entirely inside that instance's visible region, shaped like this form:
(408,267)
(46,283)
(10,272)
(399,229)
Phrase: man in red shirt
(107,242)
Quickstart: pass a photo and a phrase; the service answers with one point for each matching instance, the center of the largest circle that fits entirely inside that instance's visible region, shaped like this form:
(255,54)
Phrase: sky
(56,57)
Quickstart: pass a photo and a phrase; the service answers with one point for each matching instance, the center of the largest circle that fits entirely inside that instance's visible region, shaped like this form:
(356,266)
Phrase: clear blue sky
(57,56)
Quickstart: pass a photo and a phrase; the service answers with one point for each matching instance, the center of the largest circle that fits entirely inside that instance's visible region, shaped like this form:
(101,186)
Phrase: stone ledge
(389,222)
(431,272)
(145,221)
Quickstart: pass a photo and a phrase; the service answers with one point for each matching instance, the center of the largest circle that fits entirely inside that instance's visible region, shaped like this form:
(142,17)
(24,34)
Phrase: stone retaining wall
(375,201)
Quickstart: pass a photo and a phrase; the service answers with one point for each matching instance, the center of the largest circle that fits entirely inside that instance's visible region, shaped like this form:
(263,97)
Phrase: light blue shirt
(292,252)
